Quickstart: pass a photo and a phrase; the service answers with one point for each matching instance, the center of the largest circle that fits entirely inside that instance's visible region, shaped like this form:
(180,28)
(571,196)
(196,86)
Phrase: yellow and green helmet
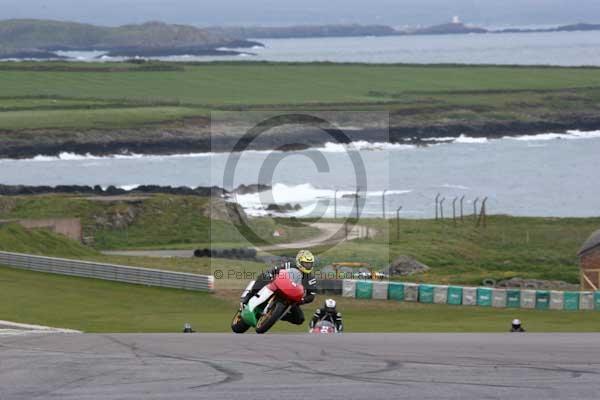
(305,261)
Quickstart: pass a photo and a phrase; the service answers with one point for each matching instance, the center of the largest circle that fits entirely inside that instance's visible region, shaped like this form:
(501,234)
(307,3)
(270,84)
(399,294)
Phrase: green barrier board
(542,299)
(597,301)
(396,291)
(425,294)
(484,297)
(364,290)
(571,301)
(513,298)
(455,295)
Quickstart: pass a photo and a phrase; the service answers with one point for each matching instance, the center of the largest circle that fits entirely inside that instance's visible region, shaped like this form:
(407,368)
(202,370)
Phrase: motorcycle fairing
(255,302)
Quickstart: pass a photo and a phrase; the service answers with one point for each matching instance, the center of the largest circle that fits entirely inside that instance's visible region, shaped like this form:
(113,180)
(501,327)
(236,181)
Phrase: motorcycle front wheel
(268,319)
(237,323)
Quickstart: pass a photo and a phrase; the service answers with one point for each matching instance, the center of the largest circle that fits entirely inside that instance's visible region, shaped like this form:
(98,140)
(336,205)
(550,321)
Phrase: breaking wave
(304,194)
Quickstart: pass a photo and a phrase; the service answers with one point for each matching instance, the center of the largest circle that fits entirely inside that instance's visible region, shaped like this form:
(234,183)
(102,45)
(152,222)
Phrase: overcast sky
(491,13)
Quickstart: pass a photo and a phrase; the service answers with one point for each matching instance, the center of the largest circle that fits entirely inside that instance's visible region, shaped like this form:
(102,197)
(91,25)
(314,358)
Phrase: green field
(264,84)
(101,306)
(107,96)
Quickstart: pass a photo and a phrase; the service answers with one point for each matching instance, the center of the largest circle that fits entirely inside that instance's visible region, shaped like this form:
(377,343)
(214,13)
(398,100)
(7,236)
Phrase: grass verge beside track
(102,306)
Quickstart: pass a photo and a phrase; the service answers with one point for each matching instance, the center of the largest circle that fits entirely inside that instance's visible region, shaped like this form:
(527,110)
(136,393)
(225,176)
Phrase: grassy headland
(31,38)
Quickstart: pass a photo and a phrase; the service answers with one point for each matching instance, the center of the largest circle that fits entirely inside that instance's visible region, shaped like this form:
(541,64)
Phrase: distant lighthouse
(455,20)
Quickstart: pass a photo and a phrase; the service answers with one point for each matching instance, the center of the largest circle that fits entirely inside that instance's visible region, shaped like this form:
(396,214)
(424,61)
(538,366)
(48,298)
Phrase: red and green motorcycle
(271,302)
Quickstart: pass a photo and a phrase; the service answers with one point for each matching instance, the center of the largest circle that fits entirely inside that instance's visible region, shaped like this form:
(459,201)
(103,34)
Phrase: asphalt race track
(349,366)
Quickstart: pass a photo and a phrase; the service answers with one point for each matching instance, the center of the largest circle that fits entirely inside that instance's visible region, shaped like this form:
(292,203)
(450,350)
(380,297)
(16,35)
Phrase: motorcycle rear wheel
(237,323)
(266,321)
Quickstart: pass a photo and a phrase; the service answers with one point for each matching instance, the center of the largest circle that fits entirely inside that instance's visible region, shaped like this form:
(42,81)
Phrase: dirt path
(330,233)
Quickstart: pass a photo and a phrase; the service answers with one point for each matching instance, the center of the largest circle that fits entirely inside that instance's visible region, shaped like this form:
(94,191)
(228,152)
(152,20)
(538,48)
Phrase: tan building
(589,257)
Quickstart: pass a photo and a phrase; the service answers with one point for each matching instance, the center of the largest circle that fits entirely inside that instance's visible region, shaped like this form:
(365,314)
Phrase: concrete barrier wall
(557,300)
(499,298)
(527,298)
(411,292)
(471,296)
(586,300)
(348,288)
(110,272)
(380,290)
(440,294)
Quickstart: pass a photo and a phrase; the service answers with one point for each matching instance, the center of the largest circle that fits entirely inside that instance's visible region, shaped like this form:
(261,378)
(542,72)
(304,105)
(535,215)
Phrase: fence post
(462,215)
(454,210)
(482,220)
(437,199)
(484,211)
(442,208)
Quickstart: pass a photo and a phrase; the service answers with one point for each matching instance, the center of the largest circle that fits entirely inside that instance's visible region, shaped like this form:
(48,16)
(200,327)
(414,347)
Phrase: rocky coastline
(204,191)
(118,144)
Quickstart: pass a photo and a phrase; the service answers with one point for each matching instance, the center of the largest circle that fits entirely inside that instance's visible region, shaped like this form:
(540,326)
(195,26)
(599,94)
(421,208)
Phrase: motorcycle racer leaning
(304,263)
(328,313)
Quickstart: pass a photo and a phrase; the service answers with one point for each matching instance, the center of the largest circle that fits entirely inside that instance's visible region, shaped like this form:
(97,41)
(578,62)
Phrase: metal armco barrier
(471,296)
(109,272)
